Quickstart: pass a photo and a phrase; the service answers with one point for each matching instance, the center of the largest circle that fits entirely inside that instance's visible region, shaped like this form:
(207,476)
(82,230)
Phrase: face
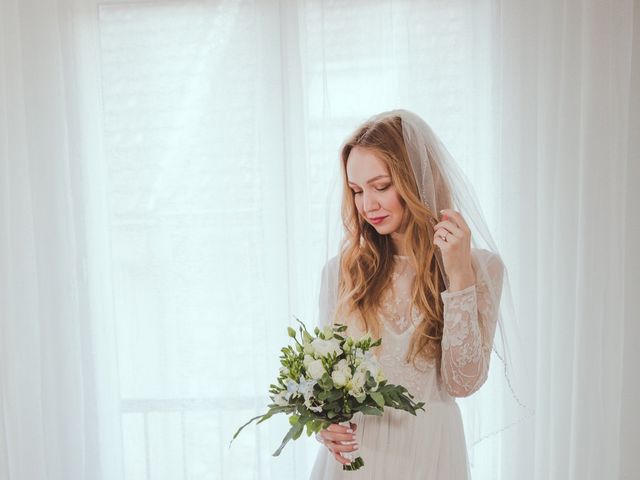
(374,193)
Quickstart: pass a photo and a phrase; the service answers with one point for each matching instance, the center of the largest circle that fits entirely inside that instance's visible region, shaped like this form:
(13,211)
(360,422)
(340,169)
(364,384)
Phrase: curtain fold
(563,117)
(48,376)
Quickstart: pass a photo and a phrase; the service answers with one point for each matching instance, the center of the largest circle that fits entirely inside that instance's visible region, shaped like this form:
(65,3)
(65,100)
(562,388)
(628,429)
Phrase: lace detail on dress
(398,311)
(470,318)
(399,319)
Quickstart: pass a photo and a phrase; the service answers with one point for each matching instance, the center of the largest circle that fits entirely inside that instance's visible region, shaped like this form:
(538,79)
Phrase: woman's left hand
(456,249)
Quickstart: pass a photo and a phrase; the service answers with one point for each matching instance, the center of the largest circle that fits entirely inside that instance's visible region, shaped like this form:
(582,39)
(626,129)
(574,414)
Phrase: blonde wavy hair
(367,257)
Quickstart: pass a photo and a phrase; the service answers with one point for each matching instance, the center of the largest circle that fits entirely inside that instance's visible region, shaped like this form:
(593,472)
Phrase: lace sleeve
(470,318)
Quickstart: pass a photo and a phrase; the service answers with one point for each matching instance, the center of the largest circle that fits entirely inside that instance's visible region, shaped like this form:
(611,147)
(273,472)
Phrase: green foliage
(338,404)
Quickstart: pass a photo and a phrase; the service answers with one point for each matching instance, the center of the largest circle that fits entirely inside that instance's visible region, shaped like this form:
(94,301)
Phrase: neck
(397,238)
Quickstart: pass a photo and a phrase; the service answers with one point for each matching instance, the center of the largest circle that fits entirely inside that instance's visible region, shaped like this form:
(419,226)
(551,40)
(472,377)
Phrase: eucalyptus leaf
(378,398)
(367,410)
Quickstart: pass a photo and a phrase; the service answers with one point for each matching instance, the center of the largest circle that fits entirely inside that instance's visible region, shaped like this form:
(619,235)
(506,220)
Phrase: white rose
(344,367)
(307,360)
(339,378)
(326,347)
(357,383)
(372,366)
(315,369)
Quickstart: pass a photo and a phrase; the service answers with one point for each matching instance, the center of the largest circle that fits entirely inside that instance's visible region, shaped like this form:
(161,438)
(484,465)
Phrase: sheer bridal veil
(503,400)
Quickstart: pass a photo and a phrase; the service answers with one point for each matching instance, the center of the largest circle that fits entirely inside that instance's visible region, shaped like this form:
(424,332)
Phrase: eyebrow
(371,179)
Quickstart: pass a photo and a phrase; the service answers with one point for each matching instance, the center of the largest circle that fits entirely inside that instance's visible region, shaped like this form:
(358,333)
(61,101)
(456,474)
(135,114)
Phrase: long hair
(367,257)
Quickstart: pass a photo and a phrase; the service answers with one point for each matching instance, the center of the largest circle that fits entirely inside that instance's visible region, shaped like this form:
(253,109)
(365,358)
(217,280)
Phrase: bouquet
(328,377)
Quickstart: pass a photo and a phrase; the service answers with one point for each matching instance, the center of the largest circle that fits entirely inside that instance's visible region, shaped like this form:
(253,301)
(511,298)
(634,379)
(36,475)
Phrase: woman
(408,273)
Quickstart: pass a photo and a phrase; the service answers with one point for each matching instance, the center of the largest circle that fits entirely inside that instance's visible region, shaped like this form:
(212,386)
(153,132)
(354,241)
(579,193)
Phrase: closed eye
(378,189)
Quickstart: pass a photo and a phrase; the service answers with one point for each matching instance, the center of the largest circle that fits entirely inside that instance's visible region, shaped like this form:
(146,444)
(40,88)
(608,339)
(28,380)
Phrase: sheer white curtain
(52,373)
(564,116)
(162,169)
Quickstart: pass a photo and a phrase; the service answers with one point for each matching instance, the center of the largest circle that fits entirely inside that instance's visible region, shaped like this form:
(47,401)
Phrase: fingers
(338,433)
(450,227)
(443,233)
(336,450)
(340,458)
(444,244)
(336,447)
(439,242)
(457,218)
(337,438)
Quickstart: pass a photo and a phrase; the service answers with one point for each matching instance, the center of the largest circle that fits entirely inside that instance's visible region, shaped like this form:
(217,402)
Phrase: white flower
(356,386)
(327,331)
(306,388)
(292,387)
(339,378)
(326,347)
(307,360)
(315,369)
(341,373)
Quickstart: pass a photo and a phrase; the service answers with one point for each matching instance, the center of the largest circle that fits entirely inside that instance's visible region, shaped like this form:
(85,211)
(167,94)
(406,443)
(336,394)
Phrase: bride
(408,272)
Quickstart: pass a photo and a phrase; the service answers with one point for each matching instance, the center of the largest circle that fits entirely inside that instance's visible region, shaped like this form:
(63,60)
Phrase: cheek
(358,203)
(394,202)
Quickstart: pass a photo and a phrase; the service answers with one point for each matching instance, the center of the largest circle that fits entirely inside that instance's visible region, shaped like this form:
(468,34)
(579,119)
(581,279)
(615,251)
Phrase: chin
(384,229)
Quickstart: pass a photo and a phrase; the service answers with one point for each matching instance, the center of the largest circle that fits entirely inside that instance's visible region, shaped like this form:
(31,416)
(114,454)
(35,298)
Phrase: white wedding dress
(430,445)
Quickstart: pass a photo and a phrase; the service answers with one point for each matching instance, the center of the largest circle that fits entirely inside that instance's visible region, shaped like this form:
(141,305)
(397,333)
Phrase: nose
(369,203)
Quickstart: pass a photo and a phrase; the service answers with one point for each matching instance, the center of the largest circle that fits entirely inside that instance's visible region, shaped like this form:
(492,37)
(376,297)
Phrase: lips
(377,220)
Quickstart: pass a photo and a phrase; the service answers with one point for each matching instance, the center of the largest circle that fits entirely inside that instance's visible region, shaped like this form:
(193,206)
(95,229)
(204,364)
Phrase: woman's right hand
(333,436)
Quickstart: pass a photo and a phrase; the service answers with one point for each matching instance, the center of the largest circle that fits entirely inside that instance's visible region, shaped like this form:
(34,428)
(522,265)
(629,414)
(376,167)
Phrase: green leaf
(299,428)
(367,410)
(322,396)
(334,395)
(370,382)
(378,398)
(238,431)
(285,440)
(293,419)
(277,409)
